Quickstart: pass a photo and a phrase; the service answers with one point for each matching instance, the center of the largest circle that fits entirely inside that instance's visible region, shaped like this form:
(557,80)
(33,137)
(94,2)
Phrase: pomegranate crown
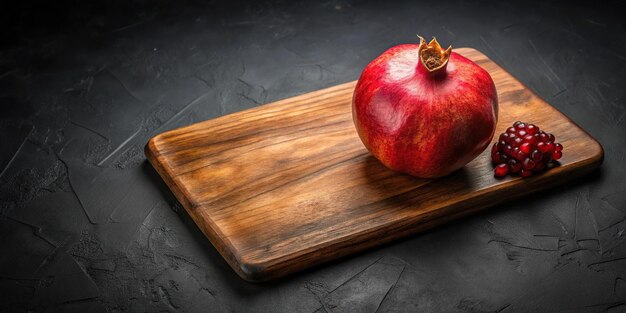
(432,56)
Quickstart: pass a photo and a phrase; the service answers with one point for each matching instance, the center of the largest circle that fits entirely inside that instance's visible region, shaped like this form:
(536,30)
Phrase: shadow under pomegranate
(409,192)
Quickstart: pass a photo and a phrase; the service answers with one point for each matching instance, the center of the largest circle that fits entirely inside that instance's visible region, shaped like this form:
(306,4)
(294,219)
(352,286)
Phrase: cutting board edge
(258,271)
(266,270)
(218,240)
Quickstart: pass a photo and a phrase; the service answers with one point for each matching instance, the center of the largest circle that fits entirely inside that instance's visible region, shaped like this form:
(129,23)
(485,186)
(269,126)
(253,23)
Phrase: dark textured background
(86,224)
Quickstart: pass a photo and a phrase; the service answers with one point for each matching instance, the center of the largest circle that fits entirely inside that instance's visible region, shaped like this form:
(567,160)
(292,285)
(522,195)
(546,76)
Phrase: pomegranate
(423,110)
(523,149)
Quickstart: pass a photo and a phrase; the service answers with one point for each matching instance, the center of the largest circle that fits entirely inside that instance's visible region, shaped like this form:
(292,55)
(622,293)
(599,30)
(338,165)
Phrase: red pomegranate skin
(426,124)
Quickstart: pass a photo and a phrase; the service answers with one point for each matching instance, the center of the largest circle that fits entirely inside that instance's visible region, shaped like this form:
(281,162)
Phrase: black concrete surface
(86,225)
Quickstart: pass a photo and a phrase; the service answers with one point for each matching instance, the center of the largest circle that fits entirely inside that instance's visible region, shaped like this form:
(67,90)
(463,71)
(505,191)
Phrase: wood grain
(289,185)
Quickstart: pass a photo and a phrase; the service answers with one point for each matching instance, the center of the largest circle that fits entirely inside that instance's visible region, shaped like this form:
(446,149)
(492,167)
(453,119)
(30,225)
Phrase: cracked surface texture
(86,224)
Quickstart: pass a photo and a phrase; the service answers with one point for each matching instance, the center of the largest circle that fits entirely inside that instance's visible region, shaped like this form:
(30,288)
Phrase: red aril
(530,139)
(501,170)
(526,147)
(514,166)
(525,173)
(528,164)
(542,147)
(530,150)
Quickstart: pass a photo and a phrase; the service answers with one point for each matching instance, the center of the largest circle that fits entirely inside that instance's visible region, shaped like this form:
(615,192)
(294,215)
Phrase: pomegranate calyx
(432,56)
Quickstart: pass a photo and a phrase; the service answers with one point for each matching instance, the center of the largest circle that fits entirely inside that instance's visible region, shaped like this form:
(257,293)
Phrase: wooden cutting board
(289,185)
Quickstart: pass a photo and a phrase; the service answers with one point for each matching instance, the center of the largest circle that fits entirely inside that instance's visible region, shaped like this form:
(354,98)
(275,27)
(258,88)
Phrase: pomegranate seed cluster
(524,149)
